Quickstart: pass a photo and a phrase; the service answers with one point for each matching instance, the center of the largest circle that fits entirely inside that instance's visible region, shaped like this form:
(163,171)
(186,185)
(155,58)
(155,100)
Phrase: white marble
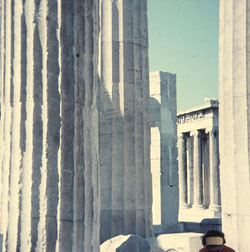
(182,167)
(126,243)
(197,180)
(49,135)
(199,161)
(163,149)
(182,242)
(124,133)
(234,122)
(214,203)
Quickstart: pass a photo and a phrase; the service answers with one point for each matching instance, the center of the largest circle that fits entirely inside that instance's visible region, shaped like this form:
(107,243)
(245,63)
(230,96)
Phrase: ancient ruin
(74,124)
(198,157)
(49,189)
(75,136)
(164,166)
(124,131)
(234,122)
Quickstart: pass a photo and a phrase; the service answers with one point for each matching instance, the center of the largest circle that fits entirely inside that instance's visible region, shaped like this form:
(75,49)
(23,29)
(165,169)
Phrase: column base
(197,215)
(198,207)
(184,206)
(214,207)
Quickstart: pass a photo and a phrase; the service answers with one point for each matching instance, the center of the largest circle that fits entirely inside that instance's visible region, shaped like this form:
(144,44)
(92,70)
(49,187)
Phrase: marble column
(49,193)
(190,171)
(126,187)
(214,169)
(198,182)
(182,165)
(234,123)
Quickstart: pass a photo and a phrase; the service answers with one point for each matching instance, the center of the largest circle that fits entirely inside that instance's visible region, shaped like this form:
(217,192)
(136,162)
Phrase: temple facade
(198,162)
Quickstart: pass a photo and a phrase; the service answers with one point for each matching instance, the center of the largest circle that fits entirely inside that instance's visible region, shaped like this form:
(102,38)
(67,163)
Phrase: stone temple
(198,157)
(75,125)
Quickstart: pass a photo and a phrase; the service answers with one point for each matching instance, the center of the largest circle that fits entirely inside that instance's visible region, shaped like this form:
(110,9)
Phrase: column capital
(181,135)
(195,133)
(212,130)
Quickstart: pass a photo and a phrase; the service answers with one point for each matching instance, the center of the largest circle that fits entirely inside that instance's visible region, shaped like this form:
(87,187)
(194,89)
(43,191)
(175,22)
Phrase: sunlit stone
(49,126)
(164,166)
(124,133)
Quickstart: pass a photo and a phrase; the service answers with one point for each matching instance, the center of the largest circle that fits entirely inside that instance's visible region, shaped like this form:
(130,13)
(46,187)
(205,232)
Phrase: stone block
(155,165)
(181,242)
(155,134)
(105,225)
(166,115)
(126,243)
(197,215)
(155,152)
(164,88)
(130,220)
(203,226)
(155,114)
(170,204)
(168,127)
(154,103)
(117,222)
(169,175)
(173,228)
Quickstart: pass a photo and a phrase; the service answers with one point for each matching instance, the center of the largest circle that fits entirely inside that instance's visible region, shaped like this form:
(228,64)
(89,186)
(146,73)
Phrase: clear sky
(183,39)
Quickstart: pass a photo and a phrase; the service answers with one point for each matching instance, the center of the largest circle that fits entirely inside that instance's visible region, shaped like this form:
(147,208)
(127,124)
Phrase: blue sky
(183,39)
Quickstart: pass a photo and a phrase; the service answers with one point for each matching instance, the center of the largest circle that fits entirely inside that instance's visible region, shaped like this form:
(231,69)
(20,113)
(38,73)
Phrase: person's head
(214,241)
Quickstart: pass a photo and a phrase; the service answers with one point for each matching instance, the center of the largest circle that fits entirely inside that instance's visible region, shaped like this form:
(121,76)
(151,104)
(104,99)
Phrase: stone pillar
(49,149)
(1,35)
(182,164)
(198,183)
(214,169)
(234,123)
(126,201)
(190,171)
(164,165)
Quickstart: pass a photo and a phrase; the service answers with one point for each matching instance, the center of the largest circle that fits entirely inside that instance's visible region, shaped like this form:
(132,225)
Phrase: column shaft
(49,149)
(190,186)
(144,79)
(182,163)
(124,125)
(234,87)
(214,170)
(198,184)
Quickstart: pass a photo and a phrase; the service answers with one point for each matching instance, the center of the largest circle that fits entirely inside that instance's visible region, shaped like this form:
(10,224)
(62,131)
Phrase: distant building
(198,162)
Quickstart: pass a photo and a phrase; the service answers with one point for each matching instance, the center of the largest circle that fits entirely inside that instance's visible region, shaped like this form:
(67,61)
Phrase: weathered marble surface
(198,158)
(164,166)
(234,125)
(49,191)
(182,242)
(126,243)
(124,134)
(51,52)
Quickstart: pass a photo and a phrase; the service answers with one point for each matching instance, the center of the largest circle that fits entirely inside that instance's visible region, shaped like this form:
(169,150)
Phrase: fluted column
(234,123)
(198,183)
(49,149)
(190,171)
(182,164)
(214,169)
(126,199)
